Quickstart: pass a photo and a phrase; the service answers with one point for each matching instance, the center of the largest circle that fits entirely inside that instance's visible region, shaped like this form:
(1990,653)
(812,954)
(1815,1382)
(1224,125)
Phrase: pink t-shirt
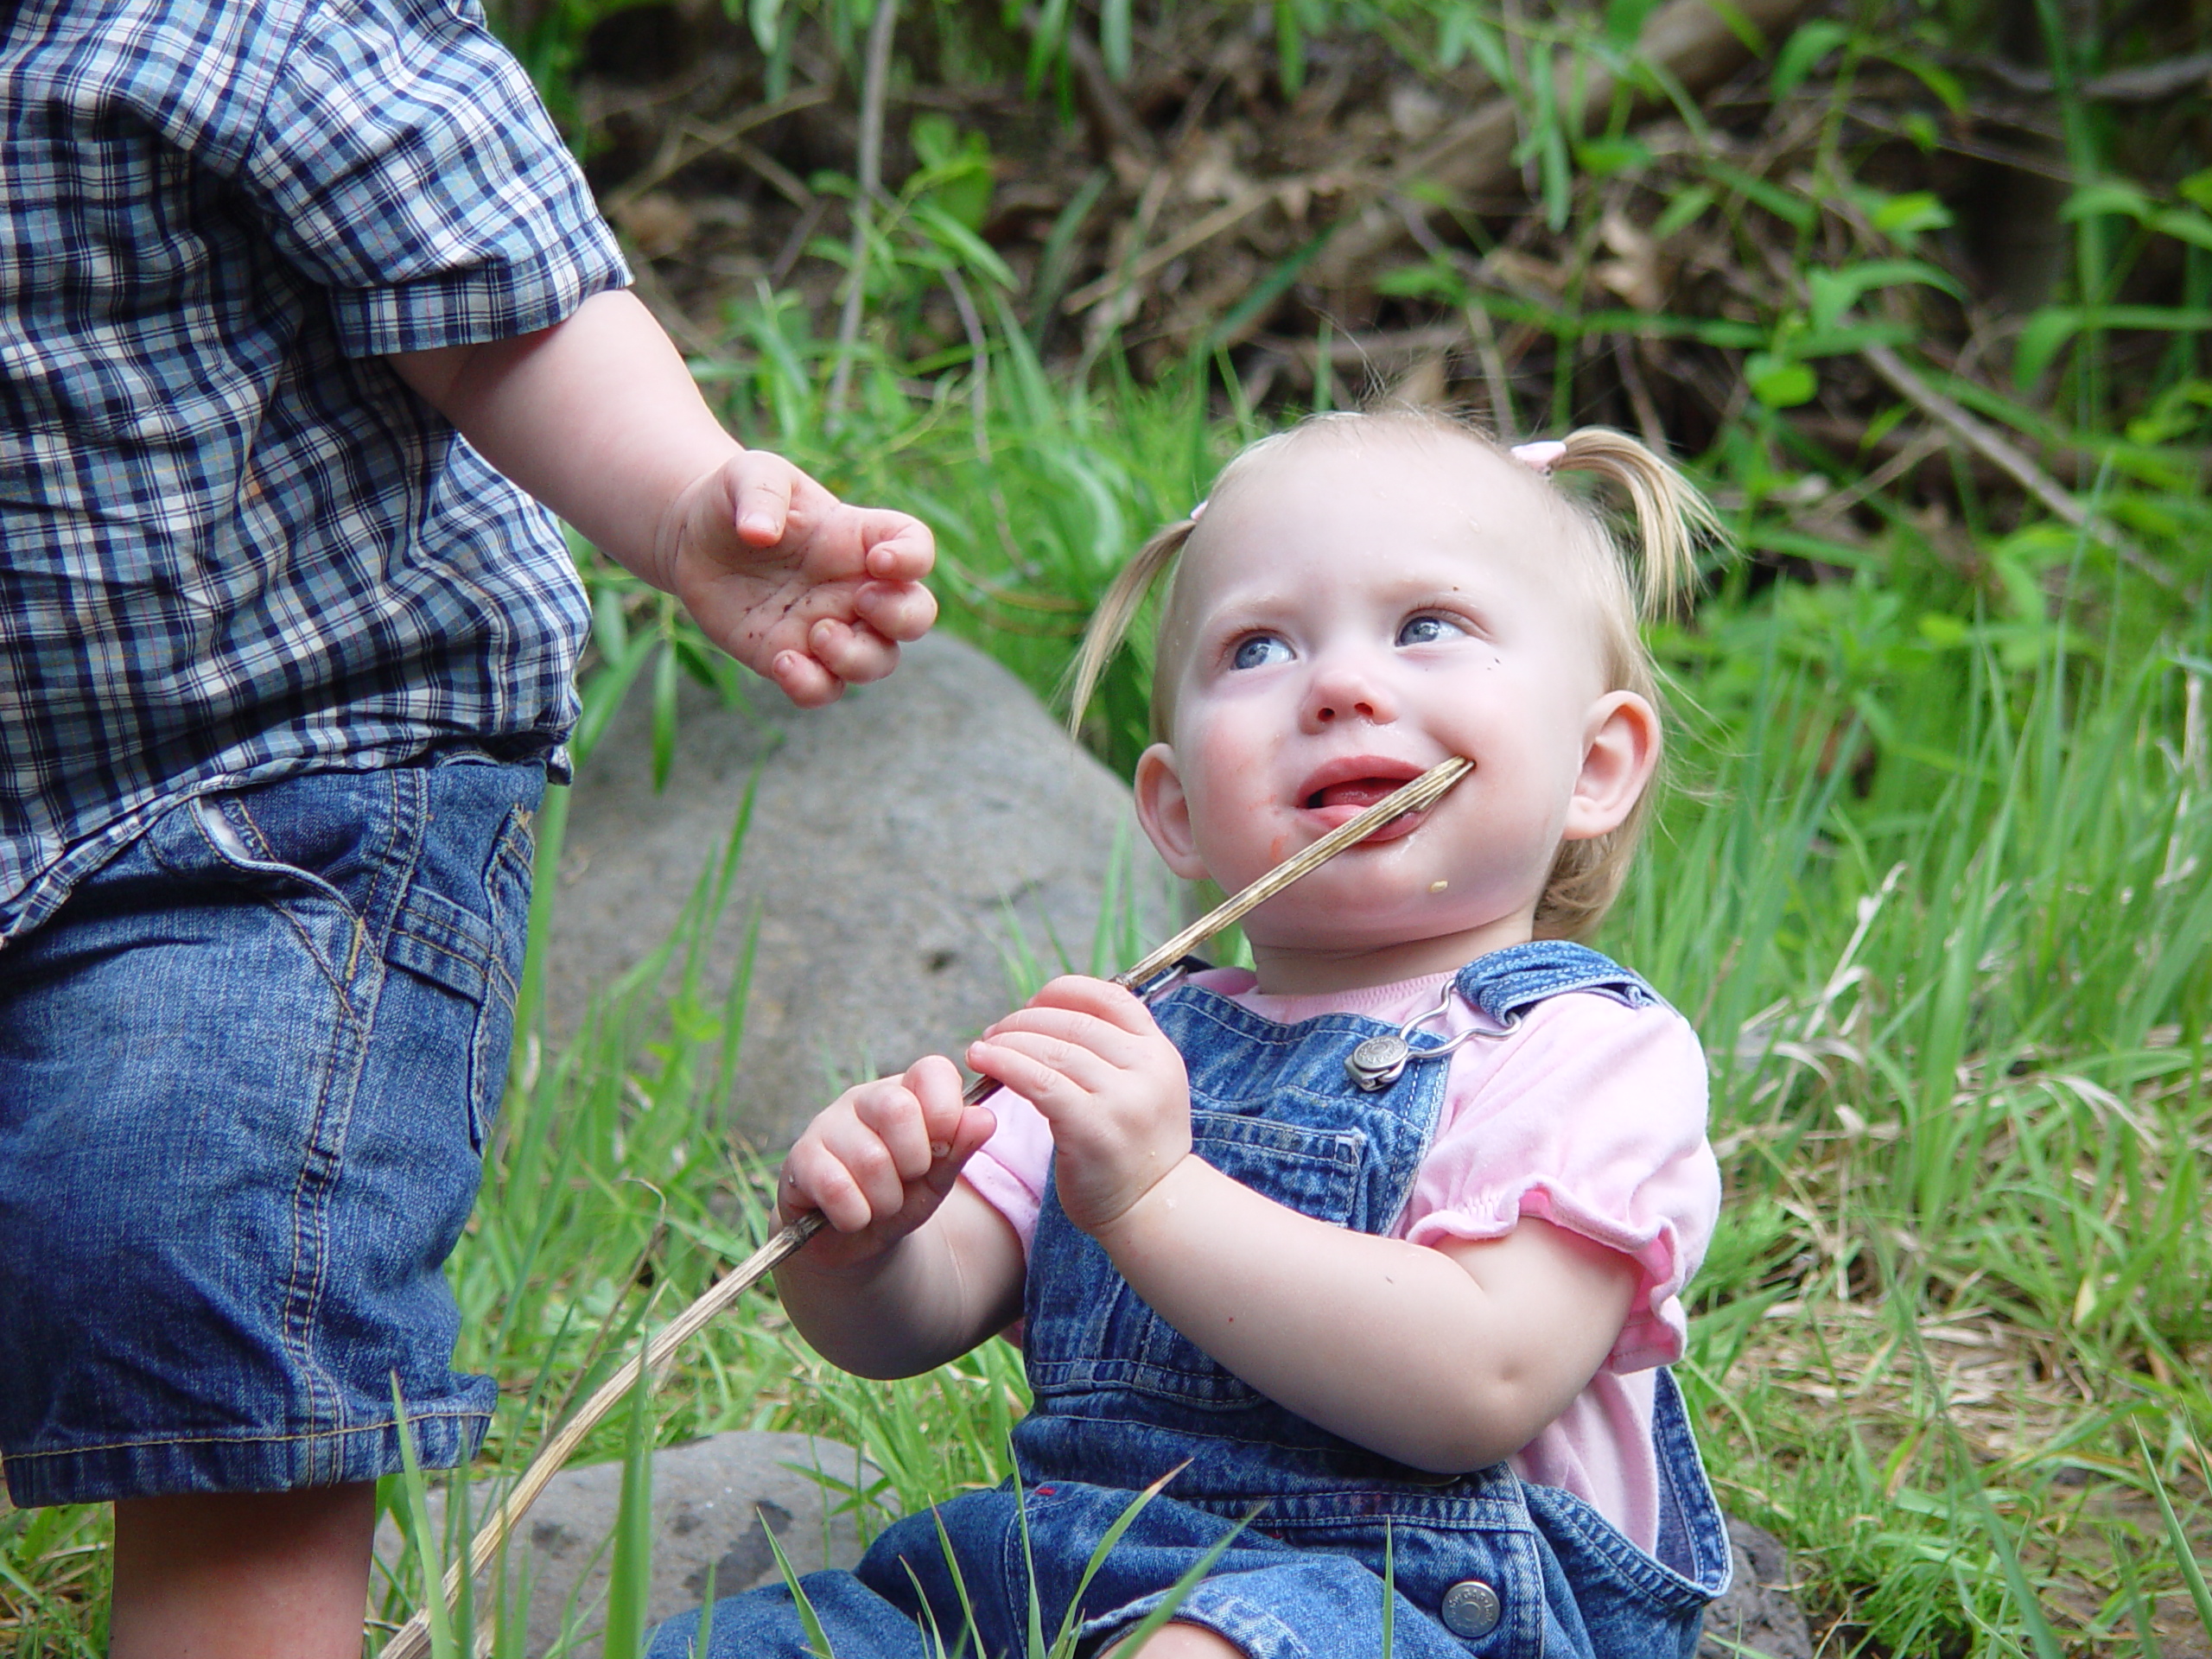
(1590,1115)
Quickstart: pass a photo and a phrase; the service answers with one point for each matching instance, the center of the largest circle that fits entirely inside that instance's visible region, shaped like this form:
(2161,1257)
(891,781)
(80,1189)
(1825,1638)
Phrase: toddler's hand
(879,1160)
(797,585)
(1090,1057)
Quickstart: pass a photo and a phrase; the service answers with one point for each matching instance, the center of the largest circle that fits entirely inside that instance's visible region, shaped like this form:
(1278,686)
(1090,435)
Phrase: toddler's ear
(1165,812)
(1620,751)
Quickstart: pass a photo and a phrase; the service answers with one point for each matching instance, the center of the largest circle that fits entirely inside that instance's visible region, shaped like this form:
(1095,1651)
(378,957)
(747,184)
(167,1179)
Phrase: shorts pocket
(477,958)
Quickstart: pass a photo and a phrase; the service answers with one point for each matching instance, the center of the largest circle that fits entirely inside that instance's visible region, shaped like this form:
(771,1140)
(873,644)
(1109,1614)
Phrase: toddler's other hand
(1090,1057)
(879,1162)
(810,591)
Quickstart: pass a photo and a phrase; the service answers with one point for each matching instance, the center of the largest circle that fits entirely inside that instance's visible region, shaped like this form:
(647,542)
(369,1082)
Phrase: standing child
(1382,1245)
(283,665)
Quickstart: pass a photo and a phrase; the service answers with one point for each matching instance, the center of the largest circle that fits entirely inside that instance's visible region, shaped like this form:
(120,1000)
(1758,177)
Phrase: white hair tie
(1539,457)
(1197,511)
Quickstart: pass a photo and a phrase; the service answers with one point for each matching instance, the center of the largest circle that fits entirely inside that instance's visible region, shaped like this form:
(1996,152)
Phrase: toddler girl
(1382,1245)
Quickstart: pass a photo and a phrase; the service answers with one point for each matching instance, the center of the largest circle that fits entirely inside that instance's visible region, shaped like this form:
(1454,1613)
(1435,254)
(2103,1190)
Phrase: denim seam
(1635,1569)
(382,1427)
(516,843)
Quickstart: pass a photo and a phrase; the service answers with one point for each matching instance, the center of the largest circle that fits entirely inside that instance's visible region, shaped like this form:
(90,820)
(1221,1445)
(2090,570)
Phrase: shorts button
(1471,1609)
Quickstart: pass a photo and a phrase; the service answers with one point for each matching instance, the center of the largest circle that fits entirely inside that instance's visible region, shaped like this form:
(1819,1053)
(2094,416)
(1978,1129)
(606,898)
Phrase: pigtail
(1109,623)
(1674,523)
(1674,520)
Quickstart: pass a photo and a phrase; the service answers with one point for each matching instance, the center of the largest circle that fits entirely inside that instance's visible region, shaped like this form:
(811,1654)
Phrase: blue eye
(1427,629)
(1259,650)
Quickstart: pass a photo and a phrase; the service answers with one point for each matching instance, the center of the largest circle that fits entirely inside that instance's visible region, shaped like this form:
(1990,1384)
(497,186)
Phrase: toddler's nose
(1343,692)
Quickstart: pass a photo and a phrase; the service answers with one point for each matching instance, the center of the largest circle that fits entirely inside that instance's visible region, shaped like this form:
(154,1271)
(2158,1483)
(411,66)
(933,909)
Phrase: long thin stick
(413,1637)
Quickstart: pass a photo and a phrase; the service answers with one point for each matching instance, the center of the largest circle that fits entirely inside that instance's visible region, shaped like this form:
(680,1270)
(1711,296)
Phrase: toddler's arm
(1447,1359)
(915,1268)
(598,417)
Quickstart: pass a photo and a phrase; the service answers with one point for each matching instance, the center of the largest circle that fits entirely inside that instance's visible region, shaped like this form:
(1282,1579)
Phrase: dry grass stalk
(413,1637)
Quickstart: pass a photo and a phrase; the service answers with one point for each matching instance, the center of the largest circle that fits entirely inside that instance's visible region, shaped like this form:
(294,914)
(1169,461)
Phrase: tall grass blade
(1065,1641)
(702,1639)
(630,1578)
(2192,1571)
(809,1620)
(1179,1592)
(959,1581)
(424,1536)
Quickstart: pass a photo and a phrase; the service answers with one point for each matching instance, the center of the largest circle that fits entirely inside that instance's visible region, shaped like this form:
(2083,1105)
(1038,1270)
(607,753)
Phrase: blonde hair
(1672,522)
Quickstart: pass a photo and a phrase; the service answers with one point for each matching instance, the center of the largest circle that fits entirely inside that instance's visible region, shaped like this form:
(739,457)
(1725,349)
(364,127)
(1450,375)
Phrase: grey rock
(905,843)
(1759,1615)
(715,1503)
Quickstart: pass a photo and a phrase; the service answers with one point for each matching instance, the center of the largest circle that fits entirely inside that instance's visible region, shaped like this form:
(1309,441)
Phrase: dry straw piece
(413,1641)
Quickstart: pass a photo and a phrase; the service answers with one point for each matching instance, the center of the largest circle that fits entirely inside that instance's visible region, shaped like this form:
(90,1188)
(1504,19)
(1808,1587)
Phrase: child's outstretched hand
(1088,1056)
(879,1160)
(811,592)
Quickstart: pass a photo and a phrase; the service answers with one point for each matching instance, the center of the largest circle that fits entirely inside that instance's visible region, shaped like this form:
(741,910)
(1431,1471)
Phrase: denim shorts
(245,1075)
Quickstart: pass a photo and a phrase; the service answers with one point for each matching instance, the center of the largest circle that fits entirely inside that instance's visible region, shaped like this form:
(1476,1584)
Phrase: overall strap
(1505,983)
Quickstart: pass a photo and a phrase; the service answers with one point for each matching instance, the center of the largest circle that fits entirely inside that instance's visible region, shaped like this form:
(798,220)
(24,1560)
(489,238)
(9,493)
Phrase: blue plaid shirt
(233,544)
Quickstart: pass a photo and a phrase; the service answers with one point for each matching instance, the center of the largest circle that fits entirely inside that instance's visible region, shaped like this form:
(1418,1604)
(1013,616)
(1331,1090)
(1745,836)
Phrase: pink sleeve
(1009,1169)
(1593,1119)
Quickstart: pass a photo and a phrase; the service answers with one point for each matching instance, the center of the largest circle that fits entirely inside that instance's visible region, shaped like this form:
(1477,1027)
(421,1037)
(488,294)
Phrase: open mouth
(1339,792)
(1357,794)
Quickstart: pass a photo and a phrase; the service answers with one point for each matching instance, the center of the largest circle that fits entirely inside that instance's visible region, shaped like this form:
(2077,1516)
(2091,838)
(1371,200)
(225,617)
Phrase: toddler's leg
(243,1575)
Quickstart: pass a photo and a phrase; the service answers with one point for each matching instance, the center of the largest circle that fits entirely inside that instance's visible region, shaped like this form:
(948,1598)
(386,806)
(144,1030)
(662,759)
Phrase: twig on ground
(2145,83)
(1228,216)
(685,143)
(785,183)
(2009,458)
(795,243)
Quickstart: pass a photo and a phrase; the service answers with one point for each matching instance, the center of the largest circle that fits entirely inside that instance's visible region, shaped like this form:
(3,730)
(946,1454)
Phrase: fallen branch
(1226,216)
(685,143)
(2148,83)
(2001,453)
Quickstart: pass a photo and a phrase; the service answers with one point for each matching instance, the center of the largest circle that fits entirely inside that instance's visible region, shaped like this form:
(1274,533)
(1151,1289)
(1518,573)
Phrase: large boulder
(716,1503)
(907,843)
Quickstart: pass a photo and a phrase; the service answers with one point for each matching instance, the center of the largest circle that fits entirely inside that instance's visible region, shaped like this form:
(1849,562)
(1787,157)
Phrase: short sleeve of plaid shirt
(405,164)
(236,545)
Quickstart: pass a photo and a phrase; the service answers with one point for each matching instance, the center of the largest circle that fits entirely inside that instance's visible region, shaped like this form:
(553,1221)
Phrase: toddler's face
(1350,612)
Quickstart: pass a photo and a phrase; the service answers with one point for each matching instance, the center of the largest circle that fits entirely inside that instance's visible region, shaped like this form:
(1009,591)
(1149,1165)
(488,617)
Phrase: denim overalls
(1482,1564)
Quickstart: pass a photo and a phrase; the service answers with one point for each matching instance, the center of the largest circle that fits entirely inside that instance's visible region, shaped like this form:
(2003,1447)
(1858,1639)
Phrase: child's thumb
(976,1125)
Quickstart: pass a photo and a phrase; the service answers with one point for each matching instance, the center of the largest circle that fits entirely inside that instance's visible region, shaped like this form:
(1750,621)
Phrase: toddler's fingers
(897,610)
(853,655)
(977,1124)
(765,483)
(1114,1045)
(813,1180)
(895,546)
(934,1082)
(866,1167)
(897,1120)
(1100,998)
(805,681)
(1049,1072)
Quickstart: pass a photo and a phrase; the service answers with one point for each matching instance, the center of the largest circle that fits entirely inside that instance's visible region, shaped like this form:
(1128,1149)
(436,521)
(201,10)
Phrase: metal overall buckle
(1381,1061)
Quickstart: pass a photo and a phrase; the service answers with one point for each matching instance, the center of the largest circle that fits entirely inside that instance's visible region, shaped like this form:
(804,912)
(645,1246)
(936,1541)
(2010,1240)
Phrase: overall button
(1471,1609)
